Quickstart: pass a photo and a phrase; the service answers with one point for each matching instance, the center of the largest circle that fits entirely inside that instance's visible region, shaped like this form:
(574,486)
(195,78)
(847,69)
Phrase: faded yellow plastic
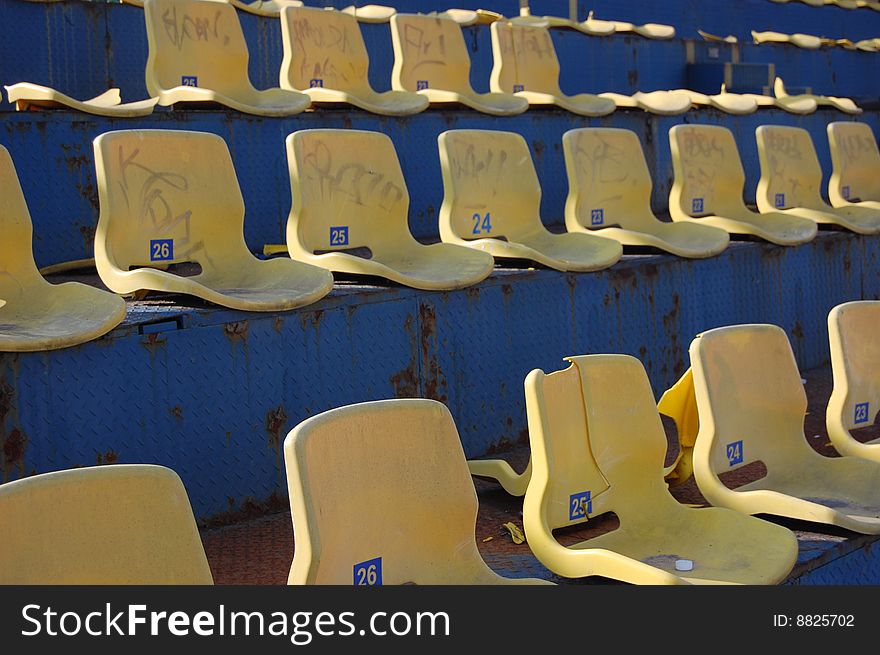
(37,315)
(664,103)
(845,105)
(800,104)
(648,30)
(807,41)
(121,524)
(267,8)
(384,479)
(594,429)
(730,103)
(752,405)
(351,179)
(708,188)
(526,65)
(26,96)
(369,13)
(500,471)
(198,54)
(157,186)
(325,58)
(492,202)
(854,338)
(680,404)
(609,192)
(855,159)
(431,58)
(791,178)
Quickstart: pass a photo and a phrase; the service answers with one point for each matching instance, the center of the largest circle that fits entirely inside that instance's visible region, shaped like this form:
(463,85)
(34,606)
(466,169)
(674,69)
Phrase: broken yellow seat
(663,103)
(708,188)
(791,178)
(752,405)
(325,58)
(855,159)
(845,105)
(380,495)
(121,524)
(492,202)
(170,197)
(36,315)
(597,447)
(431,58)
(854,338)
(349,194)
(526,65)
(679,403)
(197,54)
(609,191)
(34,96)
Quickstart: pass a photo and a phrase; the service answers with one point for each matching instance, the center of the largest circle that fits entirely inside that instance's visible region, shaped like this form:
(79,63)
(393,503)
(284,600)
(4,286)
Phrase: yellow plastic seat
(121,524)
(855,160)
(431,58)
(380,495)
(807,41)
(197,54)
(609,192)
(590,26)
(679,403)
(526,65)
(708,188)
(35,314)
(752,404)
(267,8)
(791,178)
(663,103)
(597,447)
(169,197)
(369,13)
(348,194)
(730,103)
(34,96)
(799,104)
(492,202)
(854,338)
(325,58)
(648,30)
(845,105)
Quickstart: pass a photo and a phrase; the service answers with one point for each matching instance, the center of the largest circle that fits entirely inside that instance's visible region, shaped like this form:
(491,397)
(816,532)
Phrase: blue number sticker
(844,191)
(735,453)
(421,84)
(316,82)
(482,224)
(697,206)
(189,80)
(339,235)
(780,200)
(597,216)
(579,505)
(161,250)
(861,413)
(518,87)
(369,573)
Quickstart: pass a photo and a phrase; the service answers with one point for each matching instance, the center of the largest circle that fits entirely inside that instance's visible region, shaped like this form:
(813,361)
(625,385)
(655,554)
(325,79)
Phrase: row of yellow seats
(598,446)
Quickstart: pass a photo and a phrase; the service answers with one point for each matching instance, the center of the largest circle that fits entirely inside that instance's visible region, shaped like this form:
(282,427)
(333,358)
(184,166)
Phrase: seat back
(490,187)
(195,43)
(854,337)
(17,264)
(856,163)
(118,524)
(790,170)
(608,180)
(323,48)
(709,176)
(348,192)
(380,493)
(524,59)
(429,53)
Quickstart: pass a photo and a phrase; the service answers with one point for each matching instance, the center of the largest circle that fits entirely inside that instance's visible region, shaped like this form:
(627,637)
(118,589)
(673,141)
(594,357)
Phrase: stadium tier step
(170,197)
(598,447)
(37,315)
(492,201)
(124,524)
(394,472)
(26,96)
(855,160)
(708,188)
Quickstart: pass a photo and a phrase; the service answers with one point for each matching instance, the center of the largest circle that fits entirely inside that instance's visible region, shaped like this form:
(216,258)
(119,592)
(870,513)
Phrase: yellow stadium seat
(526,65)
(431,58)
(664,103)
(807,41)
(854,338)
(380,495)
(197,54)
(492,202)
(708,188)
(680,404)
(845,105)
(463,17)
(267,8)
(500,471)
(369,13)
(590,26)
(609,191)
(855,159)
(648,30)
(348,194)
(123,524)
(799,104)
(170,197)
(325,58)
(730,103)
(791,178)
(36,315)
(34,96)
(752,405)
(597,447)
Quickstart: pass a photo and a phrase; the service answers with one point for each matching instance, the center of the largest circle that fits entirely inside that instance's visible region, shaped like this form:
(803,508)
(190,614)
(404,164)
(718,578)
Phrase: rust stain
(153,342)
(676,352)
(276,420)
(311,318)
(278,324)
(176,412)
(237,331)
(89,192)
(435,379)
(847,262)
(539,148)
(507,290)
(406,380)
(110,457)
(7,394)
(472,293)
